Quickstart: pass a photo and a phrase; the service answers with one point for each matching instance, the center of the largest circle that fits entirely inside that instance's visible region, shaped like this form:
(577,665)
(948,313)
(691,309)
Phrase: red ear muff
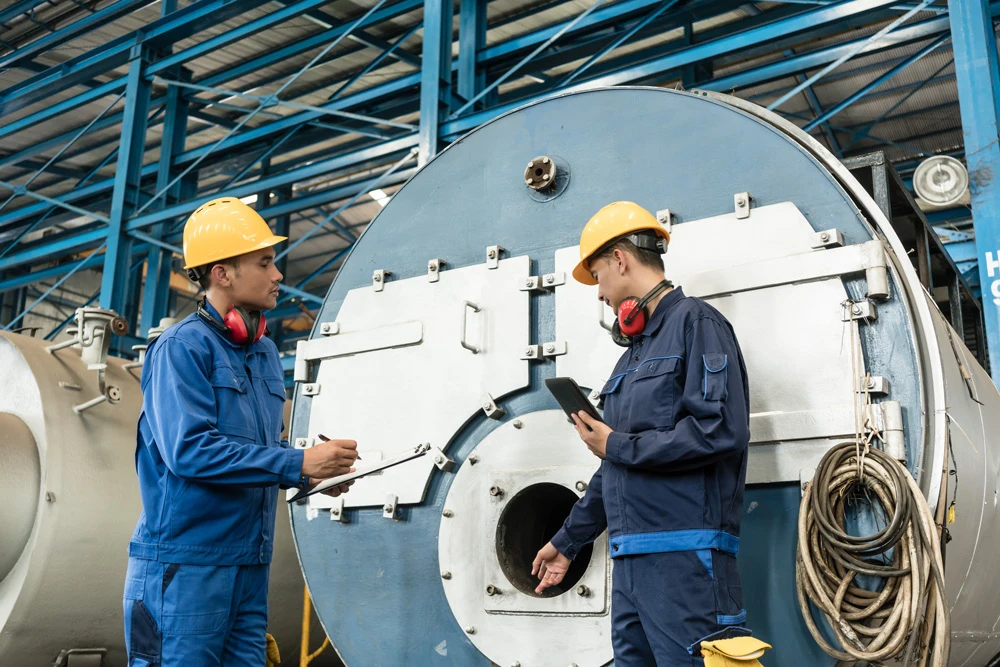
(237,325)
(631,316)
(241,323)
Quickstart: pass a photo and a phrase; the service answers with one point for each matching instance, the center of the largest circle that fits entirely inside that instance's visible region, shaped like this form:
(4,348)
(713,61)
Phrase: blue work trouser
(179,615)
(664,604)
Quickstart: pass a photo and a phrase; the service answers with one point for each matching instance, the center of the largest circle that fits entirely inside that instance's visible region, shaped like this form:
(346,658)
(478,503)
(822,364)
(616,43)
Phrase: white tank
(70,500)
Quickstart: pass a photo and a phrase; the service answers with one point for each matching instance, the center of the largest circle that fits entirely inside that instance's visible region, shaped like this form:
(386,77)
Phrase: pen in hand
(326,439)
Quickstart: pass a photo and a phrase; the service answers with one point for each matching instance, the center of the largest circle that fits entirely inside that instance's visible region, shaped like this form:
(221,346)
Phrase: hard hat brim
(266,243)
(581,273)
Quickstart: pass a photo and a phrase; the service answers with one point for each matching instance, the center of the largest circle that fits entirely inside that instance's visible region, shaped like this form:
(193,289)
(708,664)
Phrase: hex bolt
(470,630)
(825,236)
(378,279)
(446,575)
(387,508)
(530,352)
(581,486)
(550,348)
(583,591)
(545,177)
(517,423)
(545,160)
(473,459)
(492,590)
(496,491)
(447,514)
(856,309)
(487,406)
(550,279)
(491,254)
(741,202)
(439,459)
(529,282)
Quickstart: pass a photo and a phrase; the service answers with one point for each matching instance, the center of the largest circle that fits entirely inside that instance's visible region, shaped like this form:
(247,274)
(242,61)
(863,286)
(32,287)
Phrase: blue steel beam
(254,64)
(977,72)
(109,14)
(821,57)
(177,26)
(878,81)
(471,40)
(114,280)
(156,290)
(18,8)
(912,91)
(435,77)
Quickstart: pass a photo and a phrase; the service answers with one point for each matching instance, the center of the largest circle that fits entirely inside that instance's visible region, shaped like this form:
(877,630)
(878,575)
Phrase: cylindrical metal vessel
(70,501)
(457,303)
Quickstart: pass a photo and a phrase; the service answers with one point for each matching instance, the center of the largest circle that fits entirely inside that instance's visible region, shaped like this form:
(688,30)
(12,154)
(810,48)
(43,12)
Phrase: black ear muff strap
(641,304)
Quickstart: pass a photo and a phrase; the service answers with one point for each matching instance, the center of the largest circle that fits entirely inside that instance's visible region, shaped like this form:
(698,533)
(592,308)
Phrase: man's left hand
(333,491)
(593,432)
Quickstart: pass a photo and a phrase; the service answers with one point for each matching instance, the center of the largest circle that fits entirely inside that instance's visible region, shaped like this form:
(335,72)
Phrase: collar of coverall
(668,301)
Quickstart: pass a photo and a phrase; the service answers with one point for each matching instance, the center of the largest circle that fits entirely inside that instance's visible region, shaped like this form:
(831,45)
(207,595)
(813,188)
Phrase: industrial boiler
(457,303)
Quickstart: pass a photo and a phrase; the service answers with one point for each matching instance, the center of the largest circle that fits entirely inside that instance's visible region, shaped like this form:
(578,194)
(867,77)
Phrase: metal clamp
(310,389)
(490,407)
(389,508)
(742,200)
(493,253)
(863,311)
(666,218)
(465,320)
(876,385)
(830,238)
(378,279)
(532,353)
(337,510)
(434,270)
(554,349)
(329,328)
(547,282)
(441,459)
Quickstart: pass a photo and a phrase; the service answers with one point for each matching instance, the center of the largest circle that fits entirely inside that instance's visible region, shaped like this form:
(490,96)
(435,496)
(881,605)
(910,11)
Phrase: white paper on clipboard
(407,455)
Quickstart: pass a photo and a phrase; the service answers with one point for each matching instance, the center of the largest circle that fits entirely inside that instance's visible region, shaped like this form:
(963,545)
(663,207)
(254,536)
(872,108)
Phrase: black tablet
(571,398)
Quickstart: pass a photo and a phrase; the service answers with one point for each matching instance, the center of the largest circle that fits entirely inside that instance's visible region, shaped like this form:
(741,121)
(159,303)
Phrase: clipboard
(408,455)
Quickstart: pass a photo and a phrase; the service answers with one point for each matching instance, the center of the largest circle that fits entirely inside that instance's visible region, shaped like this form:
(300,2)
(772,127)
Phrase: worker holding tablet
(674,442)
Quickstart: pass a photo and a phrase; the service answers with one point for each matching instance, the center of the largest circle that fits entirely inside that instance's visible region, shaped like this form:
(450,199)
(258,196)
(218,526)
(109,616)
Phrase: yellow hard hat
(224,228)
(612,222)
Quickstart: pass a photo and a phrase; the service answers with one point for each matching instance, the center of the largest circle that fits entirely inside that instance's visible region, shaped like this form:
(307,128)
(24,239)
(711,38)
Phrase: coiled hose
(909,618)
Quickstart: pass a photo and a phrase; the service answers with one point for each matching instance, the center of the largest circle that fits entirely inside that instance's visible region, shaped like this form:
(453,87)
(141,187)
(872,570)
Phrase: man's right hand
(329,459)
(550,566)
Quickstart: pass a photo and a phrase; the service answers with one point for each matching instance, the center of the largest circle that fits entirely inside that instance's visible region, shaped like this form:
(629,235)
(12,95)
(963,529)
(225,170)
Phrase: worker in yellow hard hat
(210,457)
(673,444)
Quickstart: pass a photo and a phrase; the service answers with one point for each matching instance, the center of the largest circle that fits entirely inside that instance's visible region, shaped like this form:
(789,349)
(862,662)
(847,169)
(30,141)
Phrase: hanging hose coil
(909,618)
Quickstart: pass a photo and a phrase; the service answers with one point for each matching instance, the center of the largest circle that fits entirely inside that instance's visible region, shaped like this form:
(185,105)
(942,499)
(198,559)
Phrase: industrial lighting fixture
(380,196)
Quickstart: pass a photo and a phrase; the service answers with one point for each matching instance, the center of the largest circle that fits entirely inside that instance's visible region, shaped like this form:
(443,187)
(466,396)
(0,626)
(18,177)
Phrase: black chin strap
(650,295)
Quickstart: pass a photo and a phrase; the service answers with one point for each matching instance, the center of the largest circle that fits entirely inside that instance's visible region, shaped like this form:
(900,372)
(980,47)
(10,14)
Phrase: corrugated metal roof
(929,114)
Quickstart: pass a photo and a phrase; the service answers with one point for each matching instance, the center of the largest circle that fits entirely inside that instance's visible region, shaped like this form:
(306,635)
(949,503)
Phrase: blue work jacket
(209,452)
(673,477)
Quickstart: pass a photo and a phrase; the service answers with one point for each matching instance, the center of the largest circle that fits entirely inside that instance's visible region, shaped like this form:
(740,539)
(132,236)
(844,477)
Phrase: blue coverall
(670,489)
(210,460)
